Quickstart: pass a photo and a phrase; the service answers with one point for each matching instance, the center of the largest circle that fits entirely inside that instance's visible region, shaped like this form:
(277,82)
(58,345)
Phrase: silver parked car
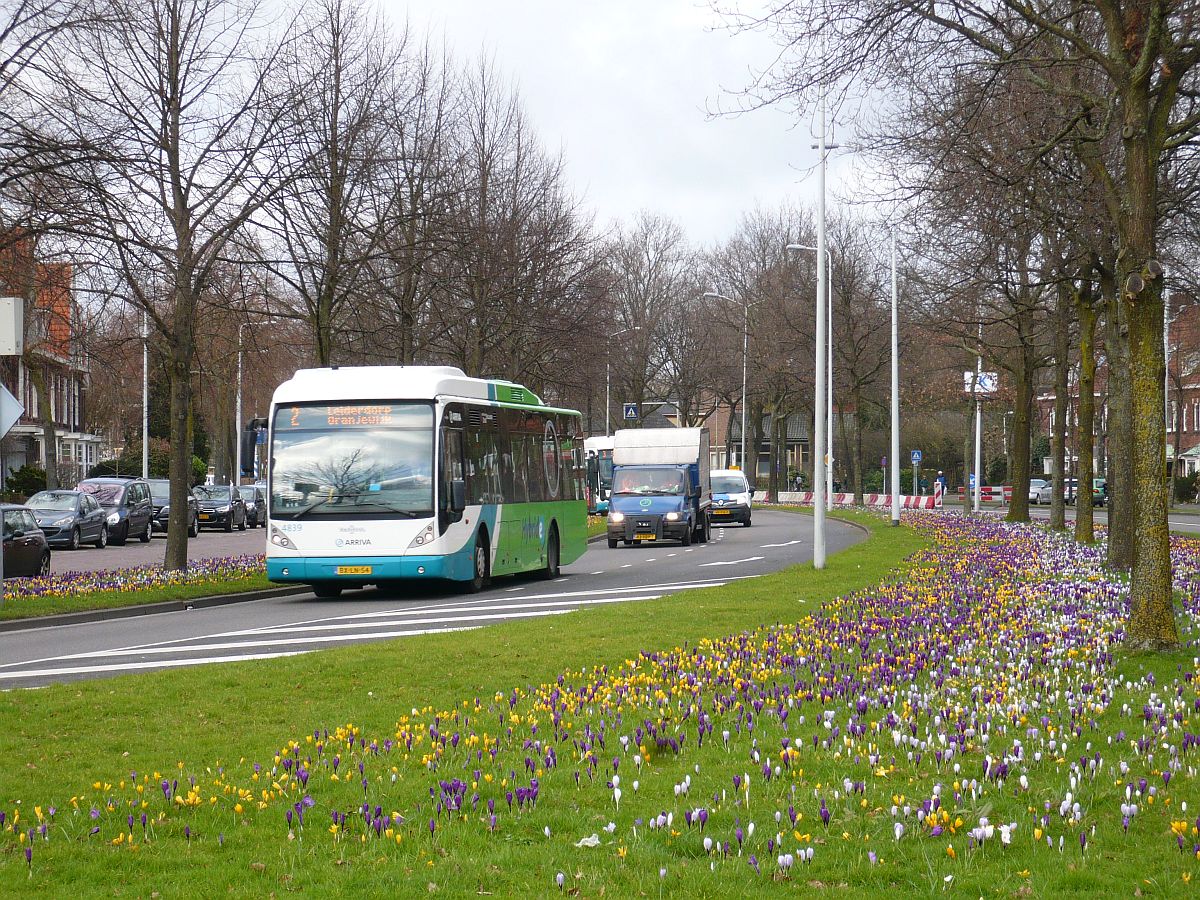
(1035,485)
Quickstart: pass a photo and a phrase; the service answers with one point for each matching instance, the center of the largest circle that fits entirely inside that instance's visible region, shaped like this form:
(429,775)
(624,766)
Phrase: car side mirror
(751,492)
(458,495)
(16,534)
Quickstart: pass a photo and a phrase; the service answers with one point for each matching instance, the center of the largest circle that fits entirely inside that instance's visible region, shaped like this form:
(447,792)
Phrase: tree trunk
(1018,448)
(1119,468)
(1085,427)
(1058,428)
(37,374)
(1151,622)
(857,456)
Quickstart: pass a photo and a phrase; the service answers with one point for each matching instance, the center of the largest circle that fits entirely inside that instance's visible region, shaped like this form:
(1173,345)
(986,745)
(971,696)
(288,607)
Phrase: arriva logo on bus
(534,528)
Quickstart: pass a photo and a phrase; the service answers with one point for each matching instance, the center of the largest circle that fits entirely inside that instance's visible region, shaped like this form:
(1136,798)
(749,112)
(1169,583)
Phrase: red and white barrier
(883,501)
(993,493)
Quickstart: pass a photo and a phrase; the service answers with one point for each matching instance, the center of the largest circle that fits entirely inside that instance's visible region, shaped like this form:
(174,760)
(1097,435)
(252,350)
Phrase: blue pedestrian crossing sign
(916,457)
(972,481)
(631,411)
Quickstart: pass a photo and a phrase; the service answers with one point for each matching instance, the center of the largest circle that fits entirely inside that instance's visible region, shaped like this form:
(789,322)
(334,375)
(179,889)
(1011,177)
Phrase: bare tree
(171,99)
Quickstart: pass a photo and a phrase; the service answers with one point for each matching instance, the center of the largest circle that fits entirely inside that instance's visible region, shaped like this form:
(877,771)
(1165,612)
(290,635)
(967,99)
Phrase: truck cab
(660,487)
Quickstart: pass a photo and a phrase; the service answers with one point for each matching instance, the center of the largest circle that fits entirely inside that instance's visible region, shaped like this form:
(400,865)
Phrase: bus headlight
(425,537)
(279,539)
(672,517)
(616,518)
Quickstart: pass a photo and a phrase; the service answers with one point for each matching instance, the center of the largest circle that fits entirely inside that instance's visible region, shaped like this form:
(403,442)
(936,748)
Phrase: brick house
(51,378)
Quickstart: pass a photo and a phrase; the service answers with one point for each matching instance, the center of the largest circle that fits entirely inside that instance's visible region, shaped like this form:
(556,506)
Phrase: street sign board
(631,411)
(985,383)
(10,410)
(883,462)
(972,478)
(916,457)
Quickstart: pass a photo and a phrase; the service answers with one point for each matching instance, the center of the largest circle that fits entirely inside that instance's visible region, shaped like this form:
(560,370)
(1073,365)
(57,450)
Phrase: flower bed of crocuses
(139,578)
(971,727)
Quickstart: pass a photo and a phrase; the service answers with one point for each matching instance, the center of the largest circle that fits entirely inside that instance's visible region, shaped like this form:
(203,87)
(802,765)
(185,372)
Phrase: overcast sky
(625,87)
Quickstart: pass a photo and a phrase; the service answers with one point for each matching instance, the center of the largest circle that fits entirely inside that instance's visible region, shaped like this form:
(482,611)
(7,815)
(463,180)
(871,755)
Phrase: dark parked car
(256,505)
(69,518)
(160,496)
(25,549)
(127,502)
(221,506)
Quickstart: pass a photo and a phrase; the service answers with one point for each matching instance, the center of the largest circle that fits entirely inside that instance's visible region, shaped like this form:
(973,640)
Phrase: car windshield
(728,484)
(160,490)
(211,491)
(647,481)
(106,494)
(345,460)
(53,500)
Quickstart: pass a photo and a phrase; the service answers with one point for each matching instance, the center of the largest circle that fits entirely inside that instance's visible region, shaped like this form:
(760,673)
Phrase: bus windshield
(352,460)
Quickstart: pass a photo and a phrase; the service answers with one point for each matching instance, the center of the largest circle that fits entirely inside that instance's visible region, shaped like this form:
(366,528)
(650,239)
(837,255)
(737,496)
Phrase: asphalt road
(301,623)
(205,545)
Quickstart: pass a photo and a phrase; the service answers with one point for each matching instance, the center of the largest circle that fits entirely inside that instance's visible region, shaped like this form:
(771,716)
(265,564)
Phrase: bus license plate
(354,570)
(643,537)
(720,512)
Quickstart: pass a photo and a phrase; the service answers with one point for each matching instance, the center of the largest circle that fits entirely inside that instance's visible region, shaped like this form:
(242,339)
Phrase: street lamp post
(828,363)
(608,377)
(145,397)
(745,365)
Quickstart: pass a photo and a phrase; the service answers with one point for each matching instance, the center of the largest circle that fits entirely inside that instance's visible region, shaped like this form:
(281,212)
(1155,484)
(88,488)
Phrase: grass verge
(89,745)
(49,604)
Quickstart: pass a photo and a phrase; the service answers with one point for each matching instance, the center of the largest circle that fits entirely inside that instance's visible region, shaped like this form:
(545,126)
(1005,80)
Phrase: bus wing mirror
(458,495)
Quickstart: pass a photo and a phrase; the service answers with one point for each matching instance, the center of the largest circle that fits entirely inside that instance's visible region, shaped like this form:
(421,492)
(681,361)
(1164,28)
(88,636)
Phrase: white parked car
(1035,485)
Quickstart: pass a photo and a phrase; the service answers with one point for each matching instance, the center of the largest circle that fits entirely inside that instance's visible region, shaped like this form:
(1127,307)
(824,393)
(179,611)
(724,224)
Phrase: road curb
(145,609)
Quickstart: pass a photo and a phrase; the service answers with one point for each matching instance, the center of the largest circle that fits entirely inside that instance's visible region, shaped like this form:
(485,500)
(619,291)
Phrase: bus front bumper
(366,570)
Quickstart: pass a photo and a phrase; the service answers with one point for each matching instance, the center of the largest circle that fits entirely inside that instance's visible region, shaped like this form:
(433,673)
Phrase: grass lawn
(707,727)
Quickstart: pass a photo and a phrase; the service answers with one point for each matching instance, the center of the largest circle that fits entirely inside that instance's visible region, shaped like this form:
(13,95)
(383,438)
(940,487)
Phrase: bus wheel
(552,570)
(327,591)
(482,563)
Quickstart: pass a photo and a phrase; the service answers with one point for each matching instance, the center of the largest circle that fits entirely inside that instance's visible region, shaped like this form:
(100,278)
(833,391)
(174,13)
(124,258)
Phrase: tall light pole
(145,397)
(896,395)
(608,378)
(828,365)
(745,366)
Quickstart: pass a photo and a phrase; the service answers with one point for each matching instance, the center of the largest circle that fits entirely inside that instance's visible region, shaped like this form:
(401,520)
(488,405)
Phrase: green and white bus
(384,474)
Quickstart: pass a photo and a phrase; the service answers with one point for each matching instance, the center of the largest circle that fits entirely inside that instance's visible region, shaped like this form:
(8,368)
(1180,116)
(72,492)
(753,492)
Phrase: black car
(221,506)
(160,497)
(256,505)
(25,549)
(69,518)
(127,502)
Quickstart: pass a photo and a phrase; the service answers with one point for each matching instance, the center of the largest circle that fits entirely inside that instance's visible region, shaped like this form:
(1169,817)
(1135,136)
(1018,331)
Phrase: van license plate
(643,537)
(354,570)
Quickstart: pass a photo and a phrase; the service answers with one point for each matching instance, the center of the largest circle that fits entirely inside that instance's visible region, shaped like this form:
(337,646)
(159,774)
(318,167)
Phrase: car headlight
(164,511)
(114,518)
(672,517)
(425,537)
(222,509)
(279,539)
(616,517)
(63,520)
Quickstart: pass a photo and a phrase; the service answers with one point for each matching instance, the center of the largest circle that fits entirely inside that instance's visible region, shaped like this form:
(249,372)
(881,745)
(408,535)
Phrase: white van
(731,497)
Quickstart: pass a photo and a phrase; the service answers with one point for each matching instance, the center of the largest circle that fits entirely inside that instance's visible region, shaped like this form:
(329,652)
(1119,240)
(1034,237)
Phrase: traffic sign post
(11,411)
(916,464)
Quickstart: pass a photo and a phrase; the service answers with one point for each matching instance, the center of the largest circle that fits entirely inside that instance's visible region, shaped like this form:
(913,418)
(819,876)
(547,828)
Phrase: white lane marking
(626,565)
(510,590)
(669,555)
(688,550)
(784,544)
(732,562)
(559,580)
(652,559)
(597,573)
(280,632)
